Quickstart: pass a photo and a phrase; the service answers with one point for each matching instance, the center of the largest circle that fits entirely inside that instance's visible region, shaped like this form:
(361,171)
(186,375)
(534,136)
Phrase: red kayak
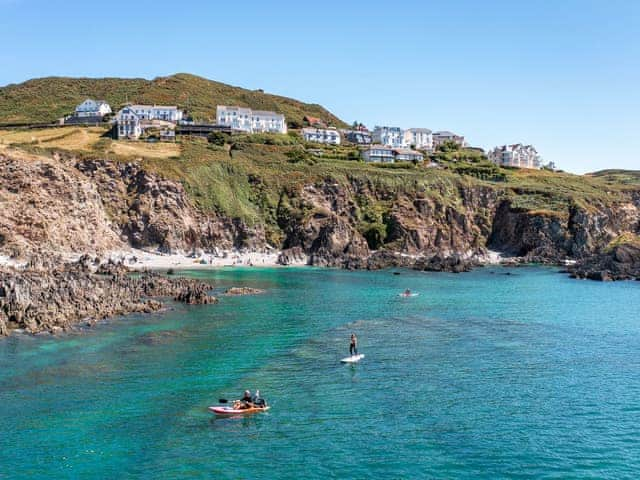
(236,411)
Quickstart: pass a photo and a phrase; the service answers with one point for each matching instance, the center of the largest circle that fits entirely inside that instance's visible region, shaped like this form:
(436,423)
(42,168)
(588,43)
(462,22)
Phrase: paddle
(223,400)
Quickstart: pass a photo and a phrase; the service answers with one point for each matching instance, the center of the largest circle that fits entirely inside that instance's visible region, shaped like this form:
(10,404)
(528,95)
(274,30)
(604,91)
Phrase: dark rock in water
(622,262)
(441,263)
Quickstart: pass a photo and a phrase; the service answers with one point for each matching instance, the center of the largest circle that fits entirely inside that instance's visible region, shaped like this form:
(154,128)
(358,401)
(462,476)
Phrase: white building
(93,108)
(157,112)
(440,137)
(250,121)
(321,135)
(517,155)
(128,124)
(421,138)
(389,136)
(378,154)
(238,118)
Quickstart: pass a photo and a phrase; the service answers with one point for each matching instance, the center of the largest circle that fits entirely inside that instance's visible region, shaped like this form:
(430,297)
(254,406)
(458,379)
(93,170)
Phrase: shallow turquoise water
(484,375)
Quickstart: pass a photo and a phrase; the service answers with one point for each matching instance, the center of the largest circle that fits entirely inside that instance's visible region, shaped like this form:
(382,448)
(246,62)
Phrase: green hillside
(46,99)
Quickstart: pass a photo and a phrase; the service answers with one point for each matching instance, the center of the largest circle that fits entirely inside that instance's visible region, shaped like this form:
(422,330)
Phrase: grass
(47,99)
(624,239)
(66,138)
(141,149)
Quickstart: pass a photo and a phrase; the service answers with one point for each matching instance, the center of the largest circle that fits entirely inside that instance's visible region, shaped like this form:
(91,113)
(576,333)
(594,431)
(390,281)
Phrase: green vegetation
(625,239)
(259,178)
(46,99)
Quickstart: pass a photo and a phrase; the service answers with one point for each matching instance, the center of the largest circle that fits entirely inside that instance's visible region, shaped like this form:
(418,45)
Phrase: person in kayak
(407,293)
(353,346)
(245,402)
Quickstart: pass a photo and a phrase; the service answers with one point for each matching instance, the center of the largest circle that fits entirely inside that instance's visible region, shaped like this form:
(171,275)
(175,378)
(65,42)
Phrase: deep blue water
(483,375)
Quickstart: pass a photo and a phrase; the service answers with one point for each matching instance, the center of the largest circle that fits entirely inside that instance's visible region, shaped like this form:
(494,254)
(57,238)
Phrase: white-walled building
(440,137)
(157,112)
(265,121)
(378,154)
(389,136)
(517,155)
(238,118)
(128,124)
(93,108)
(250,121)
(421,138)
(321,135)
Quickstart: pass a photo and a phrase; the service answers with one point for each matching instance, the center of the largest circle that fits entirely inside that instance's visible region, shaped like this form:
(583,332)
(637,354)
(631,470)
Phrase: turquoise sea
(498,373)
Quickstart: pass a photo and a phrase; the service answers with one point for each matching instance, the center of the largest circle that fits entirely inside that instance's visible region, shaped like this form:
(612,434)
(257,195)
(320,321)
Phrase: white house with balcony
(250,121)
(389,136)
(516,155)
(378,154)
(321,135)
(421,138)
(92,108)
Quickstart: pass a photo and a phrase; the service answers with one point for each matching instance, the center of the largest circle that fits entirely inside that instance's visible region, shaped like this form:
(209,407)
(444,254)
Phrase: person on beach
(353,346)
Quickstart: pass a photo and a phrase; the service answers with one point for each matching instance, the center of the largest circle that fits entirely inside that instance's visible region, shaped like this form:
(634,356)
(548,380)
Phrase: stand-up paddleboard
(353,358)
(236,411)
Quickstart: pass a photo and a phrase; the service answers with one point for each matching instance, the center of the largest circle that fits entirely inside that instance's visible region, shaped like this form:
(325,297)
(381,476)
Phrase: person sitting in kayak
(407,293)
(245,402)
(353,346)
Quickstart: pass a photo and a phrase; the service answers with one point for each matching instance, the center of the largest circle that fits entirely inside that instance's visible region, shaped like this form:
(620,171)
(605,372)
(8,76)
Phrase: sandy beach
(142,259)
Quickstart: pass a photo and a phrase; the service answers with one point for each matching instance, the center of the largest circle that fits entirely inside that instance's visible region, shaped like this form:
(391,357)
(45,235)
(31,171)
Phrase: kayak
(236,411)
(408,294)
(353,358)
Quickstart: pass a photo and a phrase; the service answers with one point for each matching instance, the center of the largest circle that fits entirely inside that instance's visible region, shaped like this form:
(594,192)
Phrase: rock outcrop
(621,262)
(38,300)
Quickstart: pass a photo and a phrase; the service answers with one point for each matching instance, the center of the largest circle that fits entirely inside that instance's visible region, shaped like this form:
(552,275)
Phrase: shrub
(217,138)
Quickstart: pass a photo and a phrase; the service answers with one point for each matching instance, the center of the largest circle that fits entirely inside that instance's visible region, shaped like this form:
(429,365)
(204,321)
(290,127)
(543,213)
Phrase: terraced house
(321,135)
(157,112)
(251,121)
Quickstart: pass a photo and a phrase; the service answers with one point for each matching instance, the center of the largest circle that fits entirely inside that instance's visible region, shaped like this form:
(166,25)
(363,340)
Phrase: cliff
(336,213)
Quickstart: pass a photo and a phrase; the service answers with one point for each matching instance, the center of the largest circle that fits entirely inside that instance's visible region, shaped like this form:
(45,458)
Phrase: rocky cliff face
(80,205)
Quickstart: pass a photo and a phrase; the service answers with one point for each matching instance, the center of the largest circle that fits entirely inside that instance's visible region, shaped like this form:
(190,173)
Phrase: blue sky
(562,75)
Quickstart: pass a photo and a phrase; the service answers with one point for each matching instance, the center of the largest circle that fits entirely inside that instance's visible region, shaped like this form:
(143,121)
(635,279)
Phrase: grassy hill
(46,99)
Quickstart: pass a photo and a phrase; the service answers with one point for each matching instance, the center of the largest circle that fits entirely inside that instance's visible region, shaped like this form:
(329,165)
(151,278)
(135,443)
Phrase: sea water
(497,373)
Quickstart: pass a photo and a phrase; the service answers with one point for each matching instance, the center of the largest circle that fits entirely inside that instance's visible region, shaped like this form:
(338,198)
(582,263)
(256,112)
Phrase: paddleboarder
(353,346)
